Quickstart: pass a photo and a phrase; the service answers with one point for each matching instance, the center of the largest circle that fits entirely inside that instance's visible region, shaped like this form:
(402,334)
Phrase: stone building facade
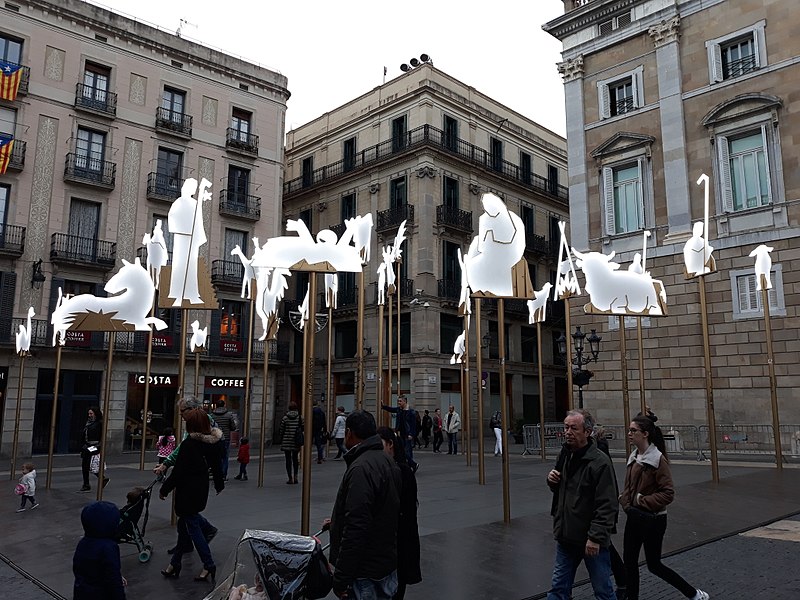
(659,92)
(423,147)
(112,115)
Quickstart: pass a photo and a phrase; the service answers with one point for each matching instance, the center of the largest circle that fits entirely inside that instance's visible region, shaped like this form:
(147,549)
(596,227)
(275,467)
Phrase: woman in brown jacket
(647,492)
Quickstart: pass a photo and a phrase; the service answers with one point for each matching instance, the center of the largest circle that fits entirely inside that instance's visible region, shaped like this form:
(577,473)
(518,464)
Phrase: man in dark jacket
(226,421)
(96,564)
(318,430)
(584,510)
(406,427)
(364,520)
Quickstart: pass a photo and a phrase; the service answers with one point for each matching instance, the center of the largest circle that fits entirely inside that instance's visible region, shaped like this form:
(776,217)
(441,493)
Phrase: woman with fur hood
(199,452)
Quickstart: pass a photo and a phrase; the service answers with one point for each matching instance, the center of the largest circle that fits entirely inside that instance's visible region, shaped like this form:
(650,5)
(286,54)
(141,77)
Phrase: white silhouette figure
(199,337)
(249,274)
(303,308)
(185,221)
(361,228)
(269,291)
(537,306)
(566,278)
(697,253)
(636,264)
(459,348)
(157,254)
(763,265)
(129,308)
(331,290)
(24,335)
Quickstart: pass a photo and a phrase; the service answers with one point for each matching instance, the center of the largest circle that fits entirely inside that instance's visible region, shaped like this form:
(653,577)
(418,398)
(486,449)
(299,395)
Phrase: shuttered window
(623,198)
(744,170)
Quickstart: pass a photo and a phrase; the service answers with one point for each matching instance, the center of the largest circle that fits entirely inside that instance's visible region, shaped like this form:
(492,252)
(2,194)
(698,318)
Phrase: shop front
(231,390)
(160,407)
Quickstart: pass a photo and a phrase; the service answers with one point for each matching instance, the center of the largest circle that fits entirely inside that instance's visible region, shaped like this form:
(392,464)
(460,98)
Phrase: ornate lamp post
(581,376)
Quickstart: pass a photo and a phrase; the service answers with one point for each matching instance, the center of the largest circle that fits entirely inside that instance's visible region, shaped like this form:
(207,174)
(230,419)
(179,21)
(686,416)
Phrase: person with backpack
(290,432)
(226,421)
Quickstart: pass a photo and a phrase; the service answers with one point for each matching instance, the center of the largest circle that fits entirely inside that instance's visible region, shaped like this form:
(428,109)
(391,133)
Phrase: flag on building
(6,145)
(10,76)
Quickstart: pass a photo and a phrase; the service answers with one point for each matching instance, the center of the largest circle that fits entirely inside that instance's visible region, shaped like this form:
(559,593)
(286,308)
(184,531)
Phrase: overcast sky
(334,51)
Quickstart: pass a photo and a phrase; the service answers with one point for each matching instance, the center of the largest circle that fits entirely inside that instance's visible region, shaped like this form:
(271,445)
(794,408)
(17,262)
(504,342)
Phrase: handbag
(299,437)
(20,489)
(94,463)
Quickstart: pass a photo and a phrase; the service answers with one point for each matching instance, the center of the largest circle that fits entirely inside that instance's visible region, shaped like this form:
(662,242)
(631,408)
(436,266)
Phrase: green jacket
(585,500)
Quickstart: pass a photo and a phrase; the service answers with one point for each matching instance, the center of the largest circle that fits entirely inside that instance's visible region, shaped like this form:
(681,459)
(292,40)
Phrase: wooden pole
(505,408)
(399,333)
(112,336)
(467,393)
(479,370)
(642,395)
(541,391)
(264,400)
(361,384)
(570,400)
(14,448)
(390,348)
(146,407)
(773,385)
(308,398)
(328,388)
(54,413)
(623,361)
(379,398)
(245,428)
(712,422)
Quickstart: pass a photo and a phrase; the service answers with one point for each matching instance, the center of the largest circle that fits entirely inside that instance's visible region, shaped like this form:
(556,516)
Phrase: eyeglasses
(634,430)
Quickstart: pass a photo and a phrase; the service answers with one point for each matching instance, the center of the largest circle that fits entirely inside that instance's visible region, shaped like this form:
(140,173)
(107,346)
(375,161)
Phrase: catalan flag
(10,76)
(6,145)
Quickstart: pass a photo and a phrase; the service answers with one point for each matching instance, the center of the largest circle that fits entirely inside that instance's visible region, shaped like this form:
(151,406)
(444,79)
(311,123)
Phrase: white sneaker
(34,506)
(20,510)
(701,595)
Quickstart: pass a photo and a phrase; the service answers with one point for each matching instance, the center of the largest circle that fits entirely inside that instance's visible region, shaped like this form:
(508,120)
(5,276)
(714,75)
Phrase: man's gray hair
(189,402)
(588,420)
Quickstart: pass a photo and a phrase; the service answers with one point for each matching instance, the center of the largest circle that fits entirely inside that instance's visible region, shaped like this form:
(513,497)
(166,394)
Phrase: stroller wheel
(144,555)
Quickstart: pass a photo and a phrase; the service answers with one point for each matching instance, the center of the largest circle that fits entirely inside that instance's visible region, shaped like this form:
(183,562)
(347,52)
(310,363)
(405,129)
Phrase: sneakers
(415,467)
(21,509)
(701,595)
(238,477)
(34,506)
(105,481)
(85,488)
(211,534)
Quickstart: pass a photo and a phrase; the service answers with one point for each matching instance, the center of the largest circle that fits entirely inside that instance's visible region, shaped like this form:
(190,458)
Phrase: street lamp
(581,376)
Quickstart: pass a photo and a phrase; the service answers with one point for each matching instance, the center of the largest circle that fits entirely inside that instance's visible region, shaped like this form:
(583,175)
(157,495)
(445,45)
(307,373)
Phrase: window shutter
(640,186)
(716,63)
(608,197)
(8,285)
(748,298)
(756,50)
(726,187)
(605,101)
(637,101)
(767,145)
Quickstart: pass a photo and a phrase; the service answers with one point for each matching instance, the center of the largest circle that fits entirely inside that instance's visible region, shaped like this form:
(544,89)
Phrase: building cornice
(594,12)
(666,32)
(571,69)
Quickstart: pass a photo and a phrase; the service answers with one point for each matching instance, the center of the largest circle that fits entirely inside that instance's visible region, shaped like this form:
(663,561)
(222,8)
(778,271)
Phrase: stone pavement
(467,551)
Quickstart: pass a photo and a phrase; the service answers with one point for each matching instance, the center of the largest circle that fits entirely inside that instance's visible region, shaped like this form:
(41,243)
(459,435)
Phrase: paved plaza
(467,550)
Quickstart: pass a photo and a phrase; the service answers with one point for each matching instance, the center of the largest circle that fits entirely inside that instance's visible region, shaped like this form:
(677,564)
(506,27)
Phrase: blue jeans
(226,445)
(375,589)
(191,530)
(567,560)
(452,443)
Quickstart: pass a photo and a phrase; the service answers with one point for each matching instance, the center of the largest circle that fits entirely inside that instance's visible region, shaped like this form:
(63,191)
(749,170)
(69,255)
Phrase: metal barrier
(553,437)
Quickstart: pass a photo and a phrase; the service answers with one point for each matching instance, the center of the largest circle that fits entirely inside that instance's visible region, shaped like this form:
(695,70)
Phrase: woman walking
(199,452)
(647,492)
(92,434)
(291,441)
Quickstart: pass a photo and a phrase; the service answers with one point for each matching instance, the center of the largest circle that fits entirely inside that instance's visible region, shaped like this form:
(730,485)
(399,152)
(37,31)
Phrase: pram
(129,531)
(271,565)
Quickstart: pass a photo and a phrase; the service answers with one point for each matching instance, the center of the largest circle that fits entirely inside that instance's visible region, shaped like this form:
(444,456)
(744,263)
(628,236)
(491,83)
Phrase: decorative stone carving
(54,63)
(666,32)
(474,188)
(209,111)
(127,234)
(374,188)
(571,69)
(138,90)
(427,171)
(206,171)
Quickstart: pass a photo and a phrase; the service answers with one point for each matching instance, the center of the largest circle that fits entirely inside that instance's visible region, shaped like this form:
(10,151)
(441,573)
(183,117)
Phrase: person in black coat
(92,435)
(199,452)
(96,564)
(408,569)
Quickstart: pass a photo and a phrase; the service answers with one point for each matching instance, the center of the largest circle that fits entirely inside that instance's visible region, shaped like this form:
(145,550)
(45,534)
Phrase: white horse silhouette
(128,310)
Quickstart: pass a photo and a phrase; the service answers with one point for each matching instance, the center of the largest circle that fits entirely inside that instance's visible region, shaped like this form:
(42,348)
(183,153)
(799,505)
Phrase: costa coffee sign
(81,339)
(155,380)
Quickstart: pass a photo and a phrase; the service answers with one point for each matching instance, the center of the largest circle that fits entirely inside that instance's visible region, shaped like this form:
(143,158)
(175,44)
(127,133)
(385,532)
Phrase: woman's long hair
(654,434)
(197,421)
(98,415)
(397,444)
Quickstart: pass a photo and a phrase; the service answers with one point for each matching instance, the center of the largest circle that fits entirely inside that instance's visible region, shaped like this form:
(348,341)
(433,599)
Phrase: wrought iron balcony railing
(95,100)
(238,204)
(737,68)
(12,240)
(278,351)
(429,136)
(161,186)
(623,106)
(347,297)
(174,122)
(90,169)
(449,289)
(227,272)
(68,248)
(537,244)
(454,218)
(241,141)
(16,161)
(392,217)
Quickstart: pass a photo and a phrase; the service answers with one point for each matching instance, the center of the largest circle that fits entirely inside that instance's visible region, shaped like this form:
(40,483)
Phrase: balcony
(91,170)
(237,204)
(90,252)
(16,161)
(449,289)
(278,351)
(431,137)
(392,217)
(337,229)
(536,244)
(227,273)
(173,122)
(161,186)
(454,218)
(241,142)
(347,297)
(95,100)
(12,240)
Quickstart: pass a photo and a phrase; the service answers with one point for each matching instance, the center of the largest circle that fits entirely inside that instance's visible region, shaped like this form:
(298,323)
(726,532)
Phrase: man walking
(438,437)
(405,426)
(226,421)
(584,510)
(452,425)
(427,425)
(318,430)
(338,432)
(364,520)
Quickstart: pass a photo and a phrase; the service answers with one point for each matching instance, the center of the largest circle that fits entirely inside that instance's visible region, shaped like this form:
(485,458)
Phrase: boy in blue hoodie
(96,563)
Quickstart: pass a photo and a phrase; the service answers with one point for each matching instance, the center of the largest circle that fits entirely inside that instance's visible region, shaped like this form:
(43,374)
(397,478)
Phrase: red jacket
(244,454)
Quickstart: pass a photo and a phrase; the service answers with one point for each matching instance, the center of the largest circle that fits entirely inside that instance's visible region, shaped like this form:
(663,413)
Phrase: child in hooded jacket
(28,481)
(243,458)
(96,563)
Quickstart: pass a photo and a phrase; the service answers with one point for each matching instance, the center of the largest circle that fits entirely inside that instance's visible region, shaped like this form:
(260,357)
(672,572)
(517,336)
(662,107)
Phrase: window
(348,207)
(397,192)
(552,179)
(231,324)
(345,337)
(349,154)
(450,327)
(10,50)
(622,187)
(173,102)
(745,170)
(451,192)
(233,238)
(5,195)
(164,227)
(528,344)
(399,133)
(8,120)
(305,217)
(238,185)
(405,333)
(738,53)
(170,171)
(83,228)
(528,220)
(89,151)
(451,271)
(240,123)
(525,167)
(606,27)
(747,300)
(450,133)
(308,171)
(621,94)
(95,86)
(496,156)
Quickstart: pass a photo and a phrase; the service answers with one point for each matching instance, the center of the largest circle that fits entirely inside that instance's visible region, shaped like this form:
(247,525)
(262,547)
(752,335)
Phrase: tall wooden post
(479,370)
(112,336)
(501,337)
(308,398)
(568,325)
(361,384)
(245,428)
(541,391)
(54,412)
(14,448)
(712,421)
(773,384)
(466,392)
(623,362)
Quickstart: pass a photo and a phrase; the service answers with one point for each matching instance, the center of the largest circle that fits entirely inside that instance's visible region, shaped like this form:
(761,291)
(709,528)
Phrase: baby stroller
(271,565)
(129,531)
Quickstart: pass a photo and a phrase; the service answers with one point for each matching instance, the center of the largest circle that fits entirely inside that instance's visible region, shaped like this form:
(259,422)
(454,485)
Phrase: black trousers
(648,531)
(438,440)
(292,462)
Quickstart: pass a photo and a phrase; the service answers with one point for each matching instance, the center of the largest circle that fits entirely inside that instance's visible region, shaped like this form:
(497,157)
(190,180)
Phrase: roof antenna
(181,25)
